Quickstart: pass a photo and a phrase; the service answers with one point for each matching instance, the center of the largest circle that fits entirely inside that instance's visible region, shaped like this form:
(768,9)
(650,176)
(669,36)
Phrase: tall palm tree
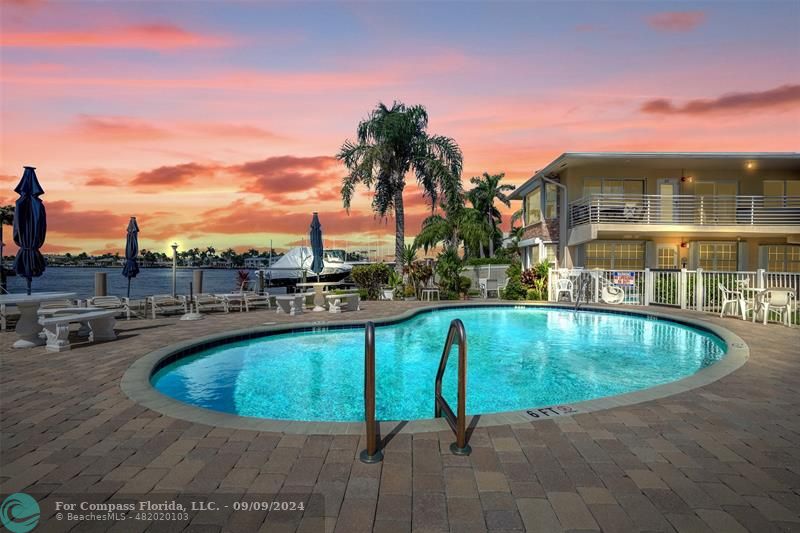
(6,217)
(390,143)
(488,189)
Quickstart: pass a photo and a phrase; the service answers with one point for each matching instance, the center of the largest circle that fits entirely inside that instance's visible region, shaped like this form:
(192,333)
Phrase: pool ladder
(457,422)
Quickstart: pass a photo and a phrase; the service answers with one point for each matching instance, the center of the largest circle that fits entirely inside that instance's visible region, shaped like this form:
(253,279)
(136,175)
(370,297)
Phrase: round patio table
(319,288)
(28,327)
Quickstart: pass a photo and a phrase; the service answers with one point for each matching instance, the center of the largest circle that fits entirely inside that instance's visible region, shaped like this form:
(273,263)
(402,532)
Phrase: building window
(783,258)
(550,201)
(551,253)
(667,257)
(614,255)
(775,190)
(613,186)
(533,207)
(720,256)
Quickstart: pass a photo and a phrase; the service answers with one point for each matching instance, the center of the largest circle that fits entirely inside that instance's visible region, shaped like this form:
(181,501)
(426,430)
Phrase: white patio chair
(488,285)
(732,298)
(564,285)
(252,298)
(777,300)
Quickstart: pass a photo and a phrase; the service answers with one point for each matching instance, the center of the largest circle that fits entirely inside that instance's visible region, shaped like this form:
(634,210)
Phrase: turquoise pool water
(518,358)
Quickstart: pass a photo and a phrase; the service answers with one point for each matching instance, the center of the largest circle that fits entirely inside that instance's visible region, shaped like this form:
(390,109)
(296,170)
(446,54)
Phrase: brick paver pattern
(722,458)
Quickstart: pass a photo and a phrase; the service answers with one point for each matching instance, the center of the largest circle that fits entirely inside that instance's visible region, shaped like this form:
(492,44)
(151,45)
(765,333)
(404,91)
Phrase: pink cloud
(780,97)
(676,20)
(172,175)
(157,36)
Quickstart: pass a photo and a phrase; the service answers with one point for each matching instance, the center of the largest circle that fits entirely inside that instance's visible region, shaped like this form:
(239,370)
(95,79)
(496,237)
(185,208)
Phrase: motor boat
(295,266)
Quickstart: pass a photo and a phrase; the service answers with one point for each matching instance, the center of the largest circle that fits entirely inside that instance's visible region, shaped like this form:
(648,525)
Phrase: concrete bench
(56,327)
(291,304)
(349,300)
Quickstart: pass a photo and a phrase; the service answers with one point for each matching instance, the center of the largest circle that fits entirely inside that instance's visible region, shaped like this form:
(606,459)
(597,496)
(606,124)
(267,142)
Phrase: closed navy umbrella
(30,227)
(316,245)
(131,267)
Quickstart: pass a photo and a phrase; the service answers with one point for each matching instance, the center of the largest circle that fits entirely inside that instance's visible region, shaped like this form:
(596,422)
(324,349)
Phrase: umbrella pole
(129,287)
(29,286)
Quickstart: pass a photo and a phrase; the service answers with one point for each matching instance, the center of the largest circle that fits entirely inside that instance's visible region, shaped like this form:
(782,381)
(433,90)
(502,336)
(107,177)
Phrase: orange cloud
(786,95)
(155,36)
(676,20)
(172,175)
(63,219)
(115,129)
(287,173)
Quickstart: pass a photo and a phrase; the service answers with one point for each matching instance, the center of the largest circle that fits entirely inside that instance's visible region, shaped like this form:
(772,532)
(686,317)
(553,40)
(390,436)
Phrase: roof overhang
(681,160)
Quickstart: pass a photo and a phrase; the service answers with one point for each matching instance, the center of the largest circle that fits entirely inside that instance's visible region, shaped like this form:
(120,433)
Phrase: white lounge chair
(252,298)
(209,302)
(776,300)
(733,299)
(111,303)
(166,303)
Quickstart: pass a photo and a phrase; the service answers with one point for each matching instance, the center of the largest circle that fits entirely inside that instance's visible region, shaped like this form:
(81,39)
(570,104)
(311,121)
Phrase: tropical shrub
(419,274)
(514,290)
(371,278)
(448,267)
(242,278)
(464,283)
(409,291)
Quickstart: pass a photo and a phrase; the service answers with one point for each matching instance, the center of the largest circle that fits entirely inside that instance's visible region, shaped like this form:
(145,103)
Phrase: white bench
(347,300)
(101,324)
(291,304)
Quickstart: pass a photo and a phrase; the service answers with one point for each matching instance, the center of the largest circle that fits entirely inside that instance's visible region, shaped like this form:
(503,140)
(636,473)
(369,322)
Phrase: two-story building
(626,210)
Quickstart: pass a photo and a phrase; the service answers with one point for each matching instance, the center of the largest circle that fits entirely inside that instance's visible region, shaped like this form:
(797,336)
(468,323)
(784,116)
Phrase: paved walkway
(723,458)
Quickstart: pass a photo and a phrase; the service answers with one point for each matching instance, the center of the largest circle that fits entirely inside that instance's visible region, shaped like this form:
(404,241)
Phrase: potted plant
(394,280)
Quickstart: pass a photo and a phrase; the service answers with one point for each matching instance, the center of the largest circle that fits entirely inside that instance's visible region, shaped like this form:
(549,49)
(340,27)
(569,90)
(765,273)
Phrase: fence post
(550,285)
(648,286)
(699,289)
(760,278)
(682,287)
(597,275)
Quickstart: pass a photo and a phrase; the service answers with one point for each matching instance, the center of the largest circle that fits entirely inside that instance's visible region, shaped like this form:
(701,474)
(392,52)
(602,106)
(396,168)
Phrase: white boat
(296,264)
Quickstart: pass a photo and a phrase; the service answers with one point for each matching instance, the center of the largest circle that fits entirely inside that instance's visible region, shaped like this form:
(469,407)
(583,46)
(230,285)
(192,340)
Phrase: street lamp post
(174,269)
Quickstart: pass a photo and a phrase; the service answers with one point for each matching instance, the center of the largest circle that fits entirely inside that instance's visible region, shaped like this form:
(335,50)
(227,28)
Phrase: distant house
(629,210)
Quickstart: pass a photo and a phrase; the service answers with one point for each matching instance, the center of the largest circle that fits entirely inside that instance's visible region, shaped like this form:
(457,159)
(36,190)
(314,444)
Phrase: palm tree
(488,189)
(461,224)
(6,217)
(390,143)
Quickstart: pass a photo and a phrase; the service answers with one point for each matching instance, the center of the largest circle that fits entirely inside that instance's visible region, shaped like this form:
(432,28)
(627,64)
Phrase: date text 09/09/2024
(114,507)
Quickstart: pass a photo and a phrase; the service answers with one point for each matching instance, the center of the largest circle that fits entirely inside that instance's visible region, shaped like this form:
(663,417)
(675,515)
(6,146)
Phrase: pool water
(519,357)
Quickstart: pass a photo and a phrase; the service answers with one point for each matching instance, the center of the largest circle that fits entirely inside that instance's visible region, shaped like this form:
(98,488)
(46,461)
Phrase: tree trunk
(491,237)
(481,248)
(399,231)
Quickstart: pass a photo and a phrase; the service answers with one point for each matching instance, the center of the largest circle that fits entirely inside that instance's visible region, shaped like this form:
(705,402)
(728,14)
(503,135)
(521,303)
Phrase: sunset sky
(216,123)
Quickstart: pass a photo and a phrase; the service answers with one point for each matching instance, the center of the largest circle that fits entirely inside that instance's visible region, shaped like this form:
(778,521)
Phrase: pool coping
(136,383)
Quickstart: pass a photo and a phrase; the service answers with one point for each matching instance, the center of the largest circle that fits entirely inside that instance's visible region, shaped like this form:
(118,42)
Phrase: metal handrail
(372,454)
(701,210)
(458,423)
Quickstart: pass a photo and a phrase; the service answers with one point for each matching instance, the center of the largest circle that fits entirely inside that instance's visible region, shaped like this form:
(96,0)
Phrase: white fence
(699,289)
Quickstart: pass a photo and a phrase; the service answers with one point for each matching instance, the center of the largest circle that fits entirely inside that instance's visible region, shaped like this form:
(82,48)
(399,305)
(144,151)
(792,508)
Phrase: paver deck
(724,457)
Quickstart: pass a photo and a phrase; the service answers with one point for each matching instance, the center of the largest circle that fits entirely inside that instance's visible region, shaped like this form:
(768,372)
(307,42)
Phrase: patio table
(319,289)
(28,327)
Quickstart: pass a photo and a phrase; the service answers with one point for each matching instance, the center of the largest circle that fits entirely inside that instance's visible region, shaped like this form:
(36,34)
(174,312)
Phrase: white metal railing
(685,209)
(699,290)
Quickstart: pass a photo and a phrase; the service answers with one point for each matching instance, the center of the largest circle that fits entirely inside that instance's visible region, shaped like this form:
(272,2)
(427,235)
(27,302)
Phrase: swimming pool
(519,357)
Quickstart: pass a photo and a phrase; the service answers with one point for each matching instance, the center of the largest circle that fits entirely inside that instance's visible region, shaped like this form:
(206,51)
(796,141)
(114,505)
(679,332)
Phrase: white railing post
(550,286)
(648,286)
(682,288)
(596,276)
(760,278)
(699,289)
(752,210)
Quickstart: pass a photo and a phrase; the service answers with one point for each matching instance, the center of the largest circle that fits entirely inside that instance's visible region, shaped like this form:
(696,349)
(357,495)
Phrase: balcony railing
(685,210)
